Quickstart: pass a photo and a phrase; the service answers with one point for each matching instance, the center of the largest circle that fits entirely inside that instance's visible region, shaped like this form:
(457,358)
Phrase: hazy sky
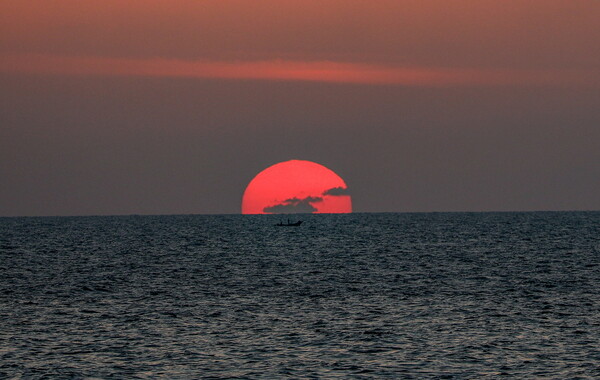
(161,107)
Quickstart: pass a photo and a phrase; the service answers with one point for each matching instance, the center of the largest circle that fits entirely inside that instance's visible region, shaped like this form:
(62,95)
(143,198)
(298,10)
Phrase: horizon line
(345,213)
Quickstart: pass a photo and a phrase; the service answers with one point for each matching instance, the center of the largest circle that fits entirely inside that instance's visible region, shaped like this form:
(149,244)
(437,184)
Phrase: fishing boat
(289,224)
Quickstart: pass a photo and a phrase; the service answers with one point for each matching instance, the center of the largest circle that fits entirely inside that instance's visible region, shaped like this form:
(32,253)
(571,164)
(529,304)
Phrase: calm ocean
(440,295)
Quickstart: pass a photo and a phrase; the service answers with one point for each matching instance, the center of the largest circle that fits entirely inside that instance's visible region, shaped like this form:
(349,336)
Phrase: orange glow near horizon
(296,186)
(315,71)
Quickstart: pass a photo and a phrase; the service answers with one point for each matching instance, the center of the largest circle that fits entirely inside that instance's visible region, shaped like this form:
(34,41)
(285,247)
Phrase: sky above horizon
(167,107)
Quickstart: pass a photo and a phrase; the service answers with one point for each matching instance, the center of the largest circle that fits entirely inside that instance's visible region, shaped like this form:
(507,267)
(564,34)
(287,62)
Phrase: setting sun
(296,186)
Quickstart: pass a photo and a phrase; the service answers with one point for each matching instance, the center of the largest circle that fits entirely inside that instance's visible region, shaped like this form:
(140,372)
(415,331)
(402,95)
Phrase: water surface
(459,295)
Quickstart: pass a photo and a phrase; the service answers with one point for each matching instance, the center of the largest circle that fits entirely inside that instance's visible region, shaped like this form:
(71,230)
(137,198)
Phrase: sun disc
(296,186)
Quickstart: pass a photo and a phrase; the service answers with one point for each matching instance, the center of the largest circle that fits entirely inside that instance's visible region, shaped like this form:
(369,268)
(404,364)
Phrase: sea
(363,295)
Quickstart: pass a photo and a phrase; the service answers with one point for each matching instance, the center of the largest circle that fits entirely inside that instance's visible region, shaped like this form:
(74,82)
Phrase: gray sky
(91,124)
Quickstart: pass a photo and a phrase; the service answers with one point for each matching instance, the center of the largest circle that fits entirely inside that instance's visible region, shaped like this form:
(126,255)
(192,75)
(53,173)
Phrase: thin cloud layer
(337,191)
(294,206)
(279,70)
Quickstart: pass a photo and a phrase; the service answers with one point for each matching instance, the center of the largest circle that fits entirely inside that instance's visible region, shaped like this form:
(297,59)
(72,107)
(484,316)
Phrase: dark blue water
(364,295)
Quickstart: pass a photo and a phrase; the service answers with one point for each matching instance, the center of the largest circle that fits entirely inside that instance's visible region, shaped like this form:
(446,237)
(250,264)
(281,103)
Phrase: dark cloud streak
(294,206)
(337,191)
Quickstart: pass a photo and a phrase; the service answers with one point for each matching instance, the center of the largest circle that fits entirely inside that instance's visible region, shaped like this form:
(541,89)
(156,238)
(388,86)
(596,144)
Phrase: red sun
(296,186)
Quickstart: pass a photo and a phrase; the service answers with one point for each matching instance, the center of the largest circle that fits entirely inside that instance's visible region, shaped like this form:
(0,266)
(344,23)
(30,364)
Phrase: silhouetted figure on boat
(289,224)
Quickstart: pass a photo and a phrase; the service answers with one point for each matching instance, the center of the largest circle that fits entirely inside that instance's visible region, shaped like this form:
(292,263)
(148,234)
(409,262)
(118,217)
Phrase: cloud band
(314,71)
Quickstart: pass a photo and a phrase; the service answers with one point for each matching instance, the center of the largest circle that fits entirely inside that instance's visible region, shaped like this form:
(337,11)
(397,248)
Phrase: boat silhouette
(289,224)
